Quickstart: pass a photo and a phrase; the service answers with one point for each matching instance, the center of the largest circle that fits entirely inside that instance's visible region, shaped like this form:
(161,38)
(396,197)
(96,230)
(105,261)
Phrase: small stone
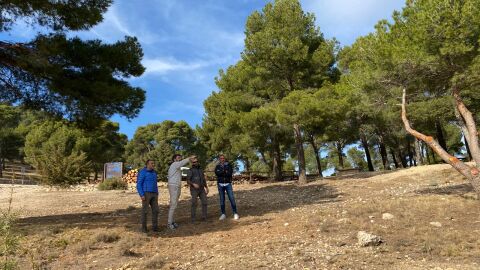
(366,239)
(436,224)
(371,217)
(286,224)
(344,220)
(387,216)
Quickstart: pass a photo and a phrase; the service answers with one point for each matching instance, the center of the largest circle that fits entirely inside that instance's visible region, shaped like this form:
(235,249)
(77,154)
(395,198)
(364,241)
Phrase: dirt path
(282,226)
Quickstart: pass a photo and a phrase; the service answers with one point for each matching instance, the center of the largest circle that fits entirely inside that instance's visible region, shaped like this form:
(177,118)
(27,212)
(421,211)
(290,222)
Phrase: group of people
(147,188)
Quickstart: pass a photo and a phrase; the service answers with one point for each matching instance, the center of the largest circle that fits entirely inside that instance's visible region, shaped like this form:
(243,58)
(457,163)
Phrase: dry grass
(282,225)
(107,236)
(155,262)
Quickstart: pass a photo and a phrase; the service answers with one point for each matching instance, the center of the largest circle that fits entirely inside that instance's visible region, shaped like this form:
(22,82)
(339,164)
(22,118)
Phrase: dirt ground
(282,226)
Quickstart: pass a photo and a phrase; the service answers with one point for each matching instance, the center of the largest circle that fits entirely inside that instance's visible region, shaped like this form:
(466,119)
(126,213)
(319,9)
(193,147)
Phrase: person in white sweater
(174,186)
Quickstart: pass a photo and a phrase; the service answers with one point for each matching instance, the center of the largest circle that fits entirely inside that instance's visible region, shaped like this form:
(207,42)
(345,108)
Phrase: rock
(436,224)
(387,216)
(371,217)
(344,221)
(366,239)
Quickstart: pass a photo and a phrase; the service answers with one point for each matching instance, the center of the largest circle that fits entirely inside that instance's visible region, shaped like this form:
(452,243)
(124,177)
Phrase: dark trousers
(221,192)
(203,199)
(151,199)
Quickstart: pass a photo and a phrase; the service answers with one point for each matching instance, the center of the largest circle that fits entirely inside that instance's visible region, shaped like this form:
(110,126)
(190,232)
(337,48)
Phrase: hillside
(282,226)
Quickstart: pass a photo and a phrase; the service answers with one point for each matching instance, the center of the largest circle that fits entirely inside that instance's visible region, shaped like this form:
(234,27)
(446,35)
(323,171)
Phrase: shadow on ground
(458,189)
(251,203)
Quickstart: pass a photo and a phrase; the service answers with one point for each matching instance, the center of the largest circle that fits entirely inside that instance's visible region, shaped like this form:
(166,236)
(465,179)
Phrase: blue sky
(186,43)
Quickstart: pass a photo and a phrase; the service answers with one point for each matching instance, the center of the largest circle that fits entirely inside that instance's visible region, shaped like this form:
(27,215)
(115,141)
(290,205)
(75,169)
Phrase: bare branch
(471,133)
(461,167)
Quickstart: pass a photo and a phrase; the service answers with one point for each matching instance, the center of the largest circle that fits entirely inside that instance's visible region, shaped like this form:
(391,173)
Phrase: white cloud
(116,24)
(111,18)
(348,19)
(166,65)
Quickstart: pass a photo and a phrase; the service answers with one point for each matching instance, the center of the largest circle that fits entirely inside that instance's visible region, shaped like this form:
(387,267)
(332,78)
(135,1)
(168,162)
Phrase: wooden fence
(19,174)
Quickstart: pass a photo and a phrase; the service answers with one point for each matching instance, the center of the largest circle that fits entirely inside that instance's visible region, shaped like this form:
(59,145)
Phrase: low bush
(113,184)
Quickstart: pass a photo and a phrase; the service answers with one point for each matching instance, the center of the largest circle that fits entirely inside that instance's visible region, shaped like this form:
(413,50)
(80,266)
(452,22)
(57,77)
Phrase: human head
(176,157)
(150,164)
(221,158)
(195,161)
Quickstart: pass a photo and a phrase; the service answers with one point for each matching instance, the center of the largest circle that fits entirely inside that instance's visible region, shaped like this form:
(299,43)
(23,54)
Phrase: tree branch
(472,134)
(461,167)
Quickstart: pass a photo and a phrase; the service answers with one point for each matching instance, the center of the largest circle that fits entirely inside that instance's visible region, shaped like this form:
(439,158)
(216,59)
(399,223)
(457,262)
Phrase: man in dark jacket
(148,190)
(224,172)
(198,188)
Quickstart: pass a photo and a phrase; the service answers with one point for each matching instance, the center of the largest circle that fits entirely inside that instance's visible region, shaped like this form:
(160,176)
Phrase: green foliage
(68,77)
(159,142)
(284,52)
(10,139)
(332,159)
(357,159)
(260,167)
(112,184)
(58,152)
(9,239)
(105,144)
(57,15)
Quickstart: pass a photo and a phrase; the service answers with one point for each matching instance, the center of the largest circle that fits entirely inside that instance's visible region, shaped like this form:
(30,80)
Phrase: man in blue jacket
(148,190)
(224,172)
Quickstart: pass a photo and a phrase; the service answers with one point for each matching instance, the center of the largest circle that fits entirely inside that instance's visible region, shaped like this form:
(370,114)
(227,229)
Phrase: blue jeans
(221,193)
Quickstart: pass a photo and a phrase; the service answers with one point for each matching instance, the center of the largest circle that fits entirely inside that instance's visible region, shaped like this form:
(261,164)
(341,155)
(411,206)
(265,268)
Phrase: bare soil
(282,226)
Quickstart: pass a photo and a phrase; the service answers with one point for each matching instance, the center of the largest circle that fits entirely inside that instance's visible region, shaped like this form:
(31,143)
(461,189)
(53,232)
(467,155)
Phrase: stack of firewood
(244,178)
(131,176)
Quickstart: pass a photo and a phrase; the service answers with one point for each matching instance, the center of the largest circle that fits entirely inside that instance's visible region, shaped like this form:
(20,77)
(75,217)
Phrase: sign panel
(113,169)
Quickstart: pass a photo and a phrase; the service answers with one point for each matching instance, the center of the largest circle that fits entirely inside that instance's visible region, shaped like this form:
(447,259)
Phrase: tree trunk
(395,162)
(317,155)
(402,163)
(468,149)
(410,153)
(247,164)
(383,153)
(302,173)
(471,173)
(434,158)
(428,156)
(277,162)
(1,167)
(340,153)
(440,136)
(469,127)
(365,146)
(418,153)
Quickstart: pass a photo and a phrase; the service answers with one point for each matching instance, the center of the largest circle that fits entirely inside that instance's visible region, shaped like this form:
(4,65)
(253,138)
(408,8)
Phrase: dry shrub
(83,247)
(107,236)
(155,262)
(128,245)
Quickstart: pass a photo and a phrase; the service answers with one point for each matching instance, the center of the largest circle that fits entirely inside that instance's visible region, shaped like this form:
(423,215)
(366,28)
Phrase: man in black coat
(224,172)
(198,188)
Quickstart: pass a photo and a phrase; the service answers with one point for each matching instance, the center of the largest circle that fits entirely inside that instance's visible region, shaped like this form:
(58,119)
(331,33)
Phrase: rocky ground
(419,218)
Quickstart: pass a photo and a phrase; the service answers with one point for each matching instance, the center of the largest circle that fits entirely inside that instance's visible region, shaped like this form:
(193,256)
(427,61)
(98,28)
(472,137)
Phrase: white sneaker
(222,217)
(236,216)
